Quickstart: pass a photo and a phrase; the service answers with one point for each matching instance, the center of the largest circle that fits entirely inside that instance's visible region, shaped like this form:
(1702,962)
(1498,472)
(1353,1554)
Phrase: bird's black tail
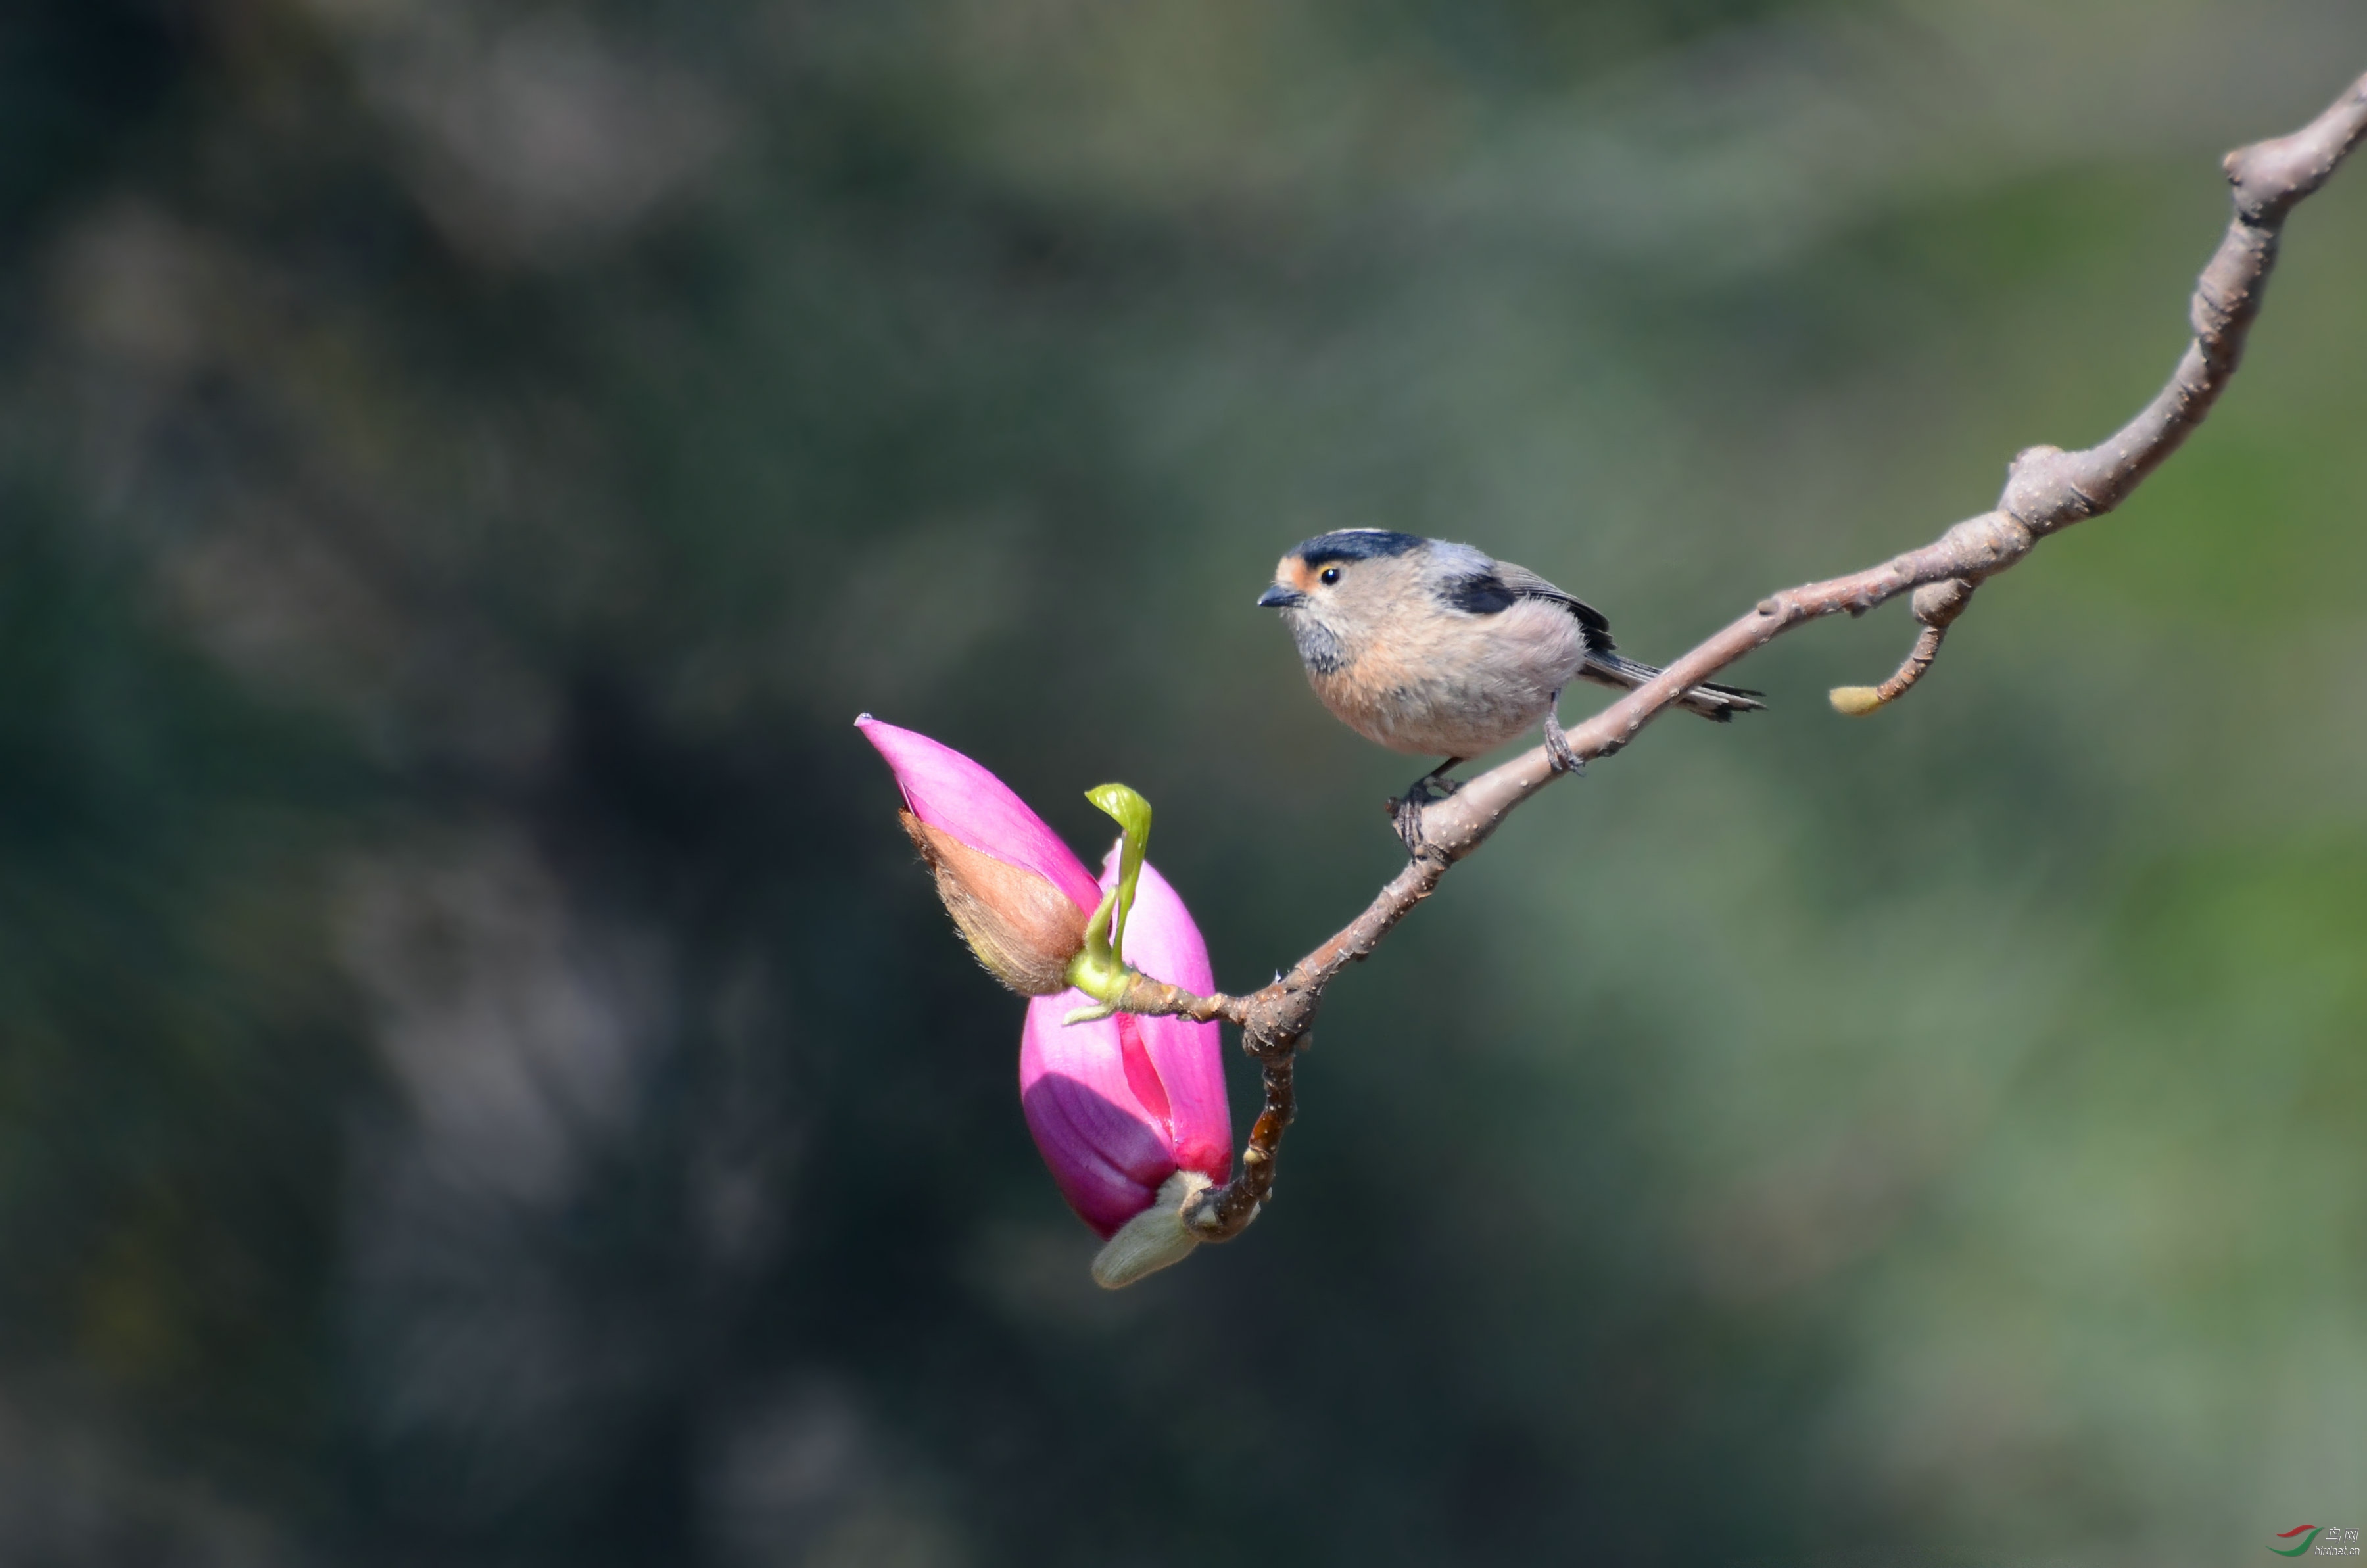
(1710,700)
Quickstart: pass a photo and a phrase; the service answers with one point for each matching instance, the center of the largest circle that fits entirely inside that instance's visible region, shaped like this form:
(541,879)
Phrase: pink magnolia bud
(1121,1106)
(1128,1113)
(1012,887)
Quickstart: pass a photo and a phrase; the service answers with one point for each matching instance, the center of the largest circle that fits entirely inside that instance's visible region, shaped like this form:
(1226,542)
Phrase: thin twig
(2046,490)
(1937,605)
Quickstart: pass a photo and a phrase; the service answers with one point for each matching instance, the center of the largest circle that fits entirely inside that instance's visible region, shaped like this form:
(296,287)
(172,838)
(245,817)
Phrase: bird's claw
(1559,751)
(1405,815)
(1405,811)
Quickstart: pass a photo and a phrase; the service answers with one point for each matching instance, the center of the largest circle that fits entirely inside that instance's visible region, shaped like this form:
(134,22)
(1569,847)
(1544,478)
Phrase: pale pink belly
(1476,685)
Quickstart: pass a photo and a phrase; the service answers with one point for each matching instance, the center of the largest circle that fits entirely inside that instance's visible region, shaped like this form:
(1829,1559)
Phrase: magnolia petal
(1106,1152)
(1117,1104)
(1162,942)
(1154,1238)
(948,791)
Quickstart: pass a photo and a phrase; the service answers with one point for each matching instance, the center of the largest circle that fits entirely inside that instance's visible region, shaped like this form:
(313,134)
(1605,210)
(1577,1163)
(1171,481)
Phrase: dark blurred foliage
(484,1082)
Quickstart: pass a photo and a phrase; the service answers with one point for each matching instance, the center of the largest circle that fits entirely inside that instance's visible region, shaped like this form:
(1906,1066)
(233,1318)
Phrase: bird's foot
(1405,810)
(1558,749)
(1405,815)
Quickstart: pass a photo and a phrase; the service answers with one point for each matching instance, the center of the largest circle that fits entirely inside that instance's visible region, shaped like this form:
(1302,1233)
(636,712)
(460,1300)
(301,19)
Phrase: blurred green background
(484,1082)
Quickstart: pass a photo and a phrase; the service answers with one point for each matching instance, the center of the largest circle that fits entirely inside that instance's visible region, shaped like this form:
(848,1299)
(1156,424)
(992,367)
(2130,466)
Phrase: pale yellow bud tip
(1154,1238)
(1856,702)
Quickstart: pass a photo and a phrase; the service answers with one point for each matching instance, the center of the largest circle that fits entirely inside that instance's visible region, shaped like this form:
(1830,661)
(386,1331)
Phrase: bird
(1438,649)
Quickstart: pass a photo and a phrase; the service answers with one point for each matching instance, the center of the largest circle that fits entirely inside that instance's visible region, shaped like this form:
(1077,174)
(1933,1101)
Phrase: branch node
(2269,176)
(2041,491)
(1937,605)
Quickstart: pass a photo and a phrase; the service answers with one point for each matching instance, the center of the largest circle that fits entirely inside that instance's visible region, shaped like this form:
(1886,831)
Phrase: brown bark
(2046,490)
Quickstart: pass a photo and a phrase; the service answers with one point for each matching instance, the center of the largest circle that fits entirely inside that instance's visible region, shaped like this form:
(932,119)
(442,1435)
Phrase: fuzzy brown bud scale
(1023,928)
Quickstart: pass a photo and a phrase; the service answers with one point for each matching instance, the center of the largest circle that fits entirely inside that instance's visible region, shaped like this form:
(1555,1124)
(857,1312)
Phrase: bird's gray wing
(1520,583)
(1501,585)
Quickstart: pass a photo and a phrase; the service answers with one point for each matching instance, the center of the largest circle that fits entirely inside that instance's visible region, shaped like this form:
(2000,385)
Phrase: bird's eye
(1330,576)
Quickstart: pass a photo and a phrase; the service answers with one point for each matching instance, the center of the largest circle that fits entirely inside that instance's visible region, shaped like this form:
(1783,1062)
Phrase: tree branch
(2046,490)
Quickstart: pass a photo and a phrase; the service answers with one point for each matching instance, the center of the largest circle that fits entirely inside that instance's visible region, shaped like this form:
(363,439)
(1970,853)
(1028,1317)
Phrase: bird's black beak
(1280,598)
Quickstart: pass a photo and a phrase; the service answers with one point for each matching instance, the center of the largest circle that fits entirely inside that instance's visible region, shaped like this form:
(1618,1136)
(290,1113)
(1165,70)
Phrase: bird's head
(1338,589)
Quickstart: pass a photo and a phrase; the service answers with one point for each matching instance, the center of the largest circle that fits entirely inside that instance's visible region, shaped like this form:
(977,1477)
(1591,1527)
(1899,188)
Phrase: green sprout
(1100,969)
